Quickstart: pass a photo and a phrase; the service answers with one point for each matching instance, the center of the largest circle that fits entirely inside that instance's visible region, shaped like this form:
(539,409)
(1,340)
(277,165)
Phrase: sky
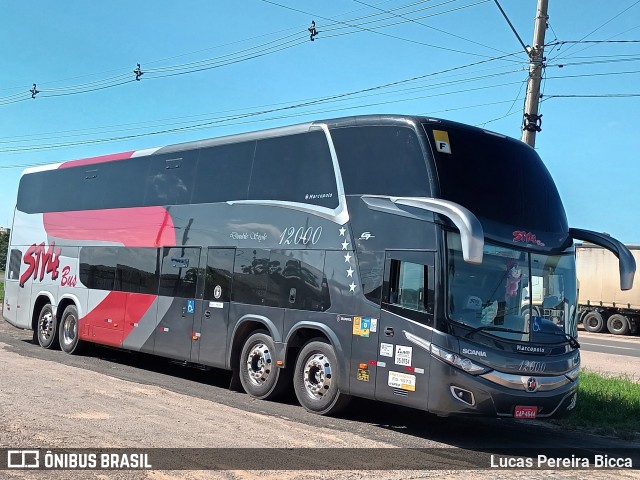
(213,68)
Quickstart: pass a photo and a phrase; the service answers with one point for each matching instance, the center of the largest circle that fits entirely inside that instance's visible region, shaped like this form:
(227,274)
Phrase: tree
(4,245)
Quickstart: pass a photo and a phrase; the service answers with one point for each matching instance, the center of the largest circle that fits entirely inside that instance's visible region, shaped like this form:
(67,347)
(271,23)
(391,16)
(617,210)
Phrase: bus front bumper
(497,394)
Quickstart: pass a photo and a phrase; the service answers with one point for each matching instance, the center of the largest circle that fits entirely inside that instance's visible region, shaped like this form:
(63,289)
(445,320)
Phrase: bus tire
(68,331)
(316,378)
(259,375)
(618,324)
(593,322)
(47,328)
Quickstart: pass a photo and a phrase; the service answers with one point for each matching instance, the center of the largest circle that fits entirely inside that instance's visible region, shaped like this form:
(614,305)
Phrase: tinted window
(219,274)
(250,274)
(385,160)
(125,179)
(50,191)
(179,275)
(294,168)
(15,259)
(297,281)
(223,173)
(170,179)
(137,270)
(499,179)
(98,267)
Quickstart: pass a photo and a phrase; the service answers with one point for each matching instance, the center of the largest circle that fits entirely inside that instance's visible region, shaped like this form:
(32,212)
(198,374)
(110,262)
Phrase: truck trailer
(602,305)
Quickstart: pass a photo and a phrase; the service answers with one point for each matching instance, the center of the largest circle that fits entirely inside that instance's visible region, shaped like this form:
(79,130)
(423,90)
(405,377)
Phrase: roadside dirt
(51,405)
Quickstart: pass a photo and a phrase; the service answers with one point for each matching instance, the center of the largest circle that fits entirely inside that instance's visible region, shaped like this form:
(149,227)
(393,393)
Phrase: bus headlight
(458,361)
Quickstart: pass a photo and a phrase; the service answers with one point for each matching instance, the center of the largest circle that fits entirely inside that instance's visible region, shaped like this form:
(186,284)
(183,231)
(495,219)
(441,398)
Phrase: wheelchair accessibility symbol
(536,326)
(191,306)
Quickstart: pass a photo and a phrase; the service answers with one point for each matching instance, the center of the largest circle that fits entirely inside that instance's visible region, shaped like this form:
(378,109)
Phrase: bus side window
(407,286)
(14,264)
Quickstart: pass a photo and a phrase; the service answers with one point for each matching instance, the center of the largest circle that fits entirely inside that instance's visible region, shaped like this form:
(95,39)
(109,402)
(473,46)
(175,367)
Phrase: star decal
(352,287)
(345,245)
(347,257)
(342,230)
(350,272)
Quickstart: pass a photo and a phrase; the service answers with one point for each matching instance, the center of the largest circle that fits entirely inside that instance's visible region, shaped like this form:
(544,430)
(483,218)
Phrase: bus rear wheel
(47,328)
(69,340)
(593,322)
(259,375)
(316,379)
(618,324)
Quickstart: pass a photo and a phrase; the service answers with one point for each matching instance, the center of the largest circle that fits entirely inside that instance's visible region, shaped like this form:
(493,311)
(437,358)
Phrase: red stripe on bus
(132,227)
(100,159)
(112,320)
(137,306)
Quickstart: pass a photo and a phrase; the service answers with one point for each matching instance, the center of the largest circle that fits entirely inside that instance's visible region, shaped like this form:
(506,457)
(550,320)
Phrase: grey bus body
(386,257)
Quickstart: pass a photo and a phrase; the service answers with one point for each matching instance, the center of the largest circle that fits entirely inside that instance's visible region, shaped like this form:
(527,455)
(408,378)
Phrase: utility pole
(531,123)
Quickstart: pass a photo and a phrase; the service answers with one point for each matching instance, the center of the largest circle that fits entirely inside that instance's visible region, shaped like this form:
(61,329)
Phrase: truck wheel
(47,328)
(618,324)
(316,379)
(259,375)
(593,322)
(69,340)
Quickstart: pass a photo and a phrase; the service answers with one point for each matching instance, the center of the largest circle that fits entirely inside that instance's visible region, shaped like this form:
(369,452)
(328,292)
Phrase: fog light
(572,403)
(465,396)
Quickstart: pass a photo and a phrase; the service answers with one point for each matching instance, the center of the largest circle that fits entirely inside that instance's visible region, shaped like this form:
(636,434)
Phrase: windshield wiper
(492,328)
(573,342)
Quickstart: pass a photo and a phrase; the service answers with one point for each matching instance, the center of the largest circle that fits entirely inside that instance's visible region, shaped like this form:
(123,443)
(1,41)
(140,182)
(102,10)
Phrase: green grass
(606,405)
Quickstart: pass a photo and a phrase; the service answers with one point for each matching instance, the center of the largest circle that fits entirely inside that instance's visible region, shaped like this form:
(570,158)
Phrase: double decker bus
(388,257)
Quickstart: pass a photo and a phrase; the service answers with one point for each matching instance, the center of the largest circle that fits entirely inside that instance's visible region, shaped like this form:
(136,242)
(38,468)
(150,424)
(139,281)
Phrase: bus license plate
(525,412)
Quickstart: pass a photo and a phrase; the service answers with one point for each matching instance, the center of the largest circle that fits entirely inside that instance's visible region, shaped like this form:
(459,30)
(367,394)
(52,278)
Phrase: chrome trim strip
(420,342)
(519,382)
(339,215)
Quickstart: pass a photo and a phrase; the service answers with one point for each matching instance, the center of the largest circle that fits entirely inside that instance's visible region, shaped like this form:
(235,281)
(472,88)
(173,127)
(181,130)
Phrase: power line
(431,27)
(513,29)
(595,95)
(266,48)
(253,114)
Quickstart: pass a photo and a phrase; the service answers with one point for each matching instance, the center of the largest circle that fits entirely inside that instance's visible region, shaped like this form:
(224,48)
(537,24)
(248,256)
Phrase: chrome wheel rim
(69,329)
(317,376)
(259,364)
(45,327)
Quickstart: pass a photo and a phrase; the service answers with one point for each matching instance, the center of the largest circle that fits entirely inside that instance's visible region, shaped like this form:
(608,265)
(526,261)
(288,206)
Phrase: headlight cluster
(458,361)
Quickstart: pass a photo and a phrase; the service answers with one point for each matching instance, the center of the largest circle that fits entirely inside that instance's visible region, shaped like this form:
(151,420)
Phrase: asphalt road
(627,346)
(399,427)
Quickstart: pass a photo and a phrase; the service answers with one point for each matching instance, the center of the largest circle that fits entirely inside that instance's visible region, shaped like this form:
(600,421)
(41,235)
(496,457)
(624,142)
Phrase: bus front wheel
(316,379)
(47,328)
(69,341)
(259,375)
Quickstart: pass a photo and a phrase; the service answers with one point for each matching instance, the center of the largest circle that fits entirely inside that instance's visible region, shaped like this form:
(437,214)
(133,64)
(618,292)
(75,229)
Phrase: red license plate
(525,412)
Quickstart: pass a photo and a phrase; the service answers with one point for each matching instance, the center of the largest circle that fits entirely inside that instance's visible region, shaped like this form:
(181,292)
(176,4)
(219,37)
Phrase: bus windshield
(512,292)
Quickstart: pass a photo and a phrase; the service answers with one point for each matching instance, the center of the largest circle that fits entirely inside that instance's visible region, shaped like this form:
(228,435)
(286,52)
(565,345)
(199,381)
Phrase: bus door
(405,326)
(213,308)
(179,274)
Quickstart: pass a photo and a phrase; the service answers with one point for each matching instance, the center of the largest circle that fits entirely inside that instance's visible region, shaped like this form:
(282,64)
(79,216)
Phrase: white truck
(602,305)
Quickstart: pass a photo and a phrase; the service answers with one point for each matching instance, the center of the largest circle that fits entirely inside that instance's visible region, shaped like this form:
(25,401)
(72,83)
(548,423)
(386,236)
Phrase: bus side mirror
(626,262)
